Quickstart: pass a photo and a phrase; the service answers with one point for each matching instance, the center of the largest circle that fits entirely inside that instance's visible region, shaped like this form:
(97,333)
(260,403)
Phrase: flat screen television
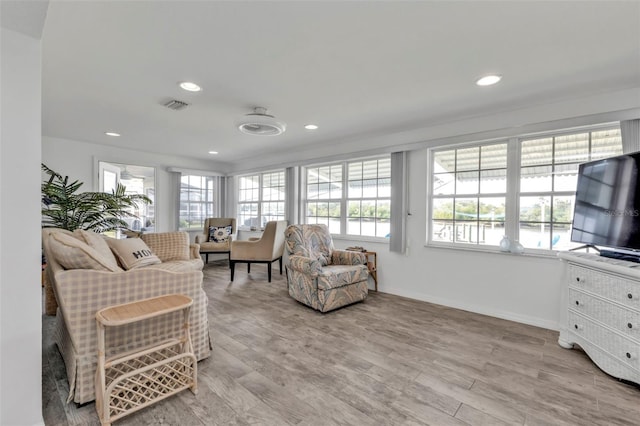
(607,206)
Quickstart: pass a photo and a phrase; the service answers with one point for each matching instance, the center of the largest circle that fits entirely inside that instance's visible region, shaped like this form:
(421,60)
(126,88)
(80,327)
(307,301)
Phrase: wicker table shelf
(130,381)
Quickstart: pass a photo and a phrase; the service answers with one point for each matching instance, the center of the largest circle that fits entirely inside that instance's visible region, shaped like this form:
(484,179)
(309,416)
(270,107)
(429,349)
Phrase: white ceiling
(353,68)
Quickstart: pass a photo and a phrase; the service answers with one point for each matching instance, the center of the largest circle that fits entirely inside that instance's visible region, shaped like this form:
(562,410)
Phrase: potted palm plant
(63,207)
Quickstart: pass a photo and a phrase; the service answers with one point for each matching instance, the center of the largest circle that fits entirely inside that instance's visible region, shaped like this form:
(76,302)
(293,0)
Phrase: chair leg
(248,268)
(232,266)
(269,272)
(280,260)
(206,258)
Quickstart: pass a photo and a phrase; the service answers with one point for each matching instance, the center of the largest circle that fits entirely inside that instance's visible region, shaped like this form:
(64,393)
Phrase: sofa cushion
(179,265)
(132,253)
(72,253)
(219,234)
(99,243)
(168,246)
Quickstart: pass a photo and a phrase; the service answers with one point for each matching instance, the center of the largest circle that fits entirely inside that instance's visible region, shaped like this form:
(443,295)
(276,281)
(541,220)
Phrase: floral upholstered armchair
(319,275)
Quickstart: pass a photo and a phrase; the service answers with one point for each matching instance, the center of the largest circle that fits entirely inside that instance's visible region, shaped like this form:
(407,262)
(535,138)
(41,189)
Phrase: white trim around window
(521,187)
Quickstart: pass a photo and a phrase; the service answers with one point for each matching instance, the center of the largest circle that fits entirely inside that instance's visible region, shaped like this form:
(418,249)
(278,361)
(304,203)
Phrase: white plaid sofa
(81,292)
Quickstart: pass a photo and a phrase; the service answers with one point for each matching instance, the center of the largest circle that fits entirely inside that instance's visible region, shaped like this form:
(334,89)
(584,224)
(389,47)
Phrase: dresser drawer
(619,347)
(621,319)
(607,285)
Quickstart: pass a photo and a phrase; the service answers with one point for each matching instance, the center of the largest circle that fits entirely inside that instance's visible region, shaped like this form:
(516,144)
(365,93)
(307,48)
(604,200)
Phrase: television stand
(621,256)
(586,246)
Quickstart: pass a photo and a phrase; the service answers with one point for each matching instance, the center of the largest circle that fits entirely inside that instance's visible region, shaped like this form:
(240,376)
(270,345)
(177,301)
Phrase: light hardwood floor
(387,361)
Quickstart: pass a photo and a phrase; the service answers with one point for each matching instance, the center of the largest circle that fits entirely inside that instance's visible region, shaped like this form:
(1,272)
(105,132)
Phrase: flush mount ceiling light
(260,123)
(213,152)
(190,86)
(114,134)
(488,80)
(311,127)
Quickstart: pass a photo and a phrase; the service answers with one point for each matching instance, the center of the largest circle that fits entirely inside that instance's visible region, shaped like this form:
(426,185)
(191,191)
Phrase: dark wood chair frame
(232,265)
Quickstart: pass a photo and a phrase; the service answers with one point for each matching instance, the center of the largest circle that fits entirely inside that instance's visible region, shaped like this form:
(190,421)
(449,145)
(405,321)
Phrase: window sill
(360,238)
(545,254)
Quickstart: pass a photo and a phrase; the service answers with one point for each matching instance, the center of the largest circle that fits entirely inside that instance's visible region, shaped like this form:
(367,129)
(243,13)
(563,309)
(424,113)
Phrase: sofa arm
(194,251)
(305,265)
(347,257)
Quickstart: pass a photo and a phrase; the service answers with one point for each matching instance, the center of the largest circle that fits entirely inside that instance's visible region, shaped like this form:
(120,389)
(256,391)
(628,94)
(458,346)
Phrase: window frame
(513,192)
(344,199)
(261,200)
(215,202)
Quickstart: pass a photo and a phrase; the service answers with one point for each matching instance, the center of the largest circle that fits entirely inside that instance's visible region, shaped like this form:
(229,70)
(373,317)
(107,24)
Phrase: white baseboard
(478,309)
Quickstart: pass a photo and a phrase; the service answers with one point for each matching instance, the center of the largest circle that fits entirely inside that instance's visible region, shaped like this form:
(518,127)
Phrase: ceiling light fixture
(311,127)
(190,87)
(488,80)
(213,152)
(260,123)
(114,134)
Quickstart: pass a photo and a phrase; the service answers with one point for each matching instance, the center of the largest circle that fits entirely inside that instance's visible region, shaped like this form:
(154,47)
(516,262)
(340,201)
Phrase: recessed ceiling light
(311,127)
(488,80)
(190,87)
(213,152)
(114,134)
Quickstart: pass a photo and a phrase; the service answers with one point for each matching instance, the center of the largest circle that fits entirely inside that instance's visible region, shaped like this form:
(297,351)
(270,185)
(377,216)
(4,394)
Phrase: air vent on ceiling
(176,105)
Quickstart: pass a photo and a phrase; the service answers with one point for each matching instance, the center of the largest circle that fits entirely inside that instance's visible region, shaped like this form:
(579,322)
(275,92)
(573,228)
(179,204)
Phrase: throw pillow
(99,243)
(132,253)
(168,246)
(71,253)
(219,234)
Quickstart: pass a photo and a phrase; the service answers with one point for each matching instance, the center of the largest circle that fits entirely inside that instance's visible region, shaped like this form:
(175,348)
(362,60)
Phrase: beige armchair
(210,243)
(267,249)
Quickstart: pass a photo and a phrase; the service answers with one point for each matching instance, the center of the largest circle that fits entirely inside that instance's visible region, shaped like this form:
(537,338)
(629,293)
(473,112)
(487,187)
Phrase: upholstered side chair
(320,276)
(267,249)
(217,236)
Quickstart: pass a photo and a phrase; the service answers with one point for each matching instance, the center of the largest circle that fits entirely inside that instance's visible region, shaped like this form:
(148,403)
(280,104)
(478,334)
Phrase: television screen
(607,207)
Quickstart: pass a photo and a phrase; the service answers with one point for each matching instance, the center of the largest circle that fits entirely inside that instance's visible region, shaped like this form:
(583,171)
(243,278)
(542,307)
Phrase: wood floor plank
(388,361)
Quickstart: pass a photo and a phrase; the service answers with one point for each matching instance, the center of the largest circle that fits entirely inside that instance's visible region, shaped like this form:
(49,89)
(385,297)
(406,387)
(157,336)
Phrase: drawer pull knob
(629,325)
(576,326)
(577,303)
(630,296)
(578,279)
(628,355)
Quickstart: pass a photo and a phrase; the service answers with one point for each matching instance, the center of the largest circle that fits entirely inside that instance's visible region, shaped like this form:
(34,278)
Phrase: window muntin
(351,198)
(198,200)
(261,198)
(469,195)
(548,179)
(469,206)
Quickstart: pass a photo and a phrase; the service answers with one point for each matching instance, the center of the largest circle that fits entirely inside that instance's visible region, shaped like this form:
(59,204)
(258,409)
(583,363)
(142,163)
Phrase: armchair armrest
(347,257)
(201,238)
(305,265)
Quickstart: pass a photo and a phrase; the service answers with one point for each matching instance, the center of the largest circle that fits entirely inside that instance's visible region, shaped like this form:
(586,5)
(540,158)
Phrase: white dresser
(601,312)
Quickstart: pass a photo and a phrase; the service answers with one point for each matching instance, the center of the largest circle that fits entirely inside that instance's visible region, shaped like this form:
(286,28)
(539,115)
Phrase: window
(477,195)
(469,187)
(548,179)
(198,200)
(363,209)
(137,180)
(261,198)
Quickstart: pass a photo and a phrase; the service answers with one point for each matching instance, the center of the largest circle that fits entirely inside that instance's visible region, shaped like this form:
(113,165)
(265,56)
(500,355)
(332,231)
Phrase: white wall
(20,291)
(78,160)
(517,287)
